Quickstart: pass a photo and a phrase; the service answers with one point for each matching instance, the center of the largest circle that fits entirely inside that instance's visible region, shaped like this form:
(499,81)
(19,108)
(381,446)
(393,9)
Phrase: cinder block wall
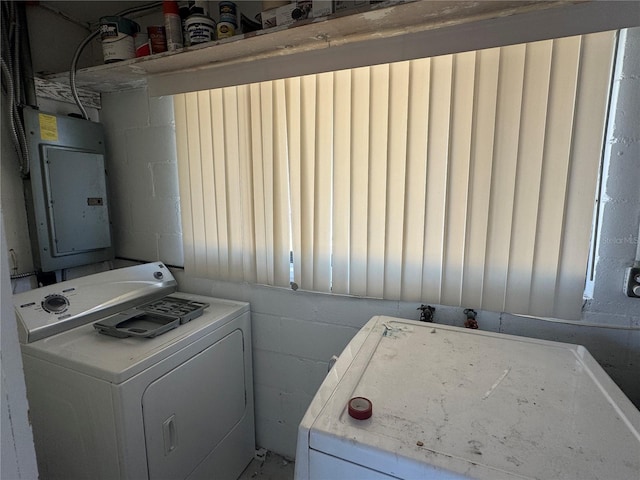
(142,176)
(295,333)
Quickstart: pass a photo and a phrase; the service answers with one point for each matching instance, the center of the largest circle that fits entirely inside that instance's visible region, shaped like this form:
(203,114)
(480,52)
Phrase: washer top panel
(115,360)
(49,310)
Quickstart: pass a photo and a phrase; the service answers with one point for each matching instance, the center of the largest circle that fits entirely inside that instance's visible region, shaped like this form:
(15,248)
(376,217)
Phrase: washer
(409,400)
(176,404)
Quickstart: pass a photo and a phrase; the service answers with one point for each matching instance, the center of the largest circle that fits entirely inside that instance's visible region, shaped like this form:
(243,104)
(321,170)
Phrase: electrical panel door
(66,191)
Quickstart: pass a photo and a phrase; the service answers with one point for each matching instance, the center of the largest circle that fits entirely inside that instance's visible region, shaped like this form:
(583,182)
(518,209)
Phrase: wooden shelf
(315,44)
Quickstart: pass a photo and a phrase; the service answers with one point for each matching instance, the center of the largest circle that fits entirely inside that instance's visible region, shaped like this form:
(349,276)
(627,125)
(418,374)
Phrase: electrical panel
(66,191)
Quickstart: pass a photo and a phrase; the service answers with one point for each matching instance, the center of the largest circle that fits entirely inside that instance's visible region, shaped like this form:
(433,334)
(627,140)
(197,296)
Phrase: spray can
(172,25)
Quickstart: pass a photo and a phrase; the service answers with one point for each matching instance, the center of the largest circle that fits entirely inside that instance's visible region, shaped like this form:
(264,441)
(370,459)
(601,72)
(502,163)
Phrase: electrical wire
(73,71)
(12,76)
(139,8)
(85,42)
(64,15)
(10,94)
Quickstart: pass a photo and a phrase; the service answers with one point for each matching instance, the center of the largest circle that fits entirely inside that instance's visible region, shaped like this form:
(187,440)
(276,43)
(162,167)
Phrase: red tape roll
(360,408)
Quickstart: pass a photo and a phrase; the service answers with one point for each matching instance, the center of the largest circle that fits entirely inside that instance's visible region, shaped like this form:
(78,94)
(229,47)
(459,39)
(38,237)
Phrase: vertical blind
(465,179)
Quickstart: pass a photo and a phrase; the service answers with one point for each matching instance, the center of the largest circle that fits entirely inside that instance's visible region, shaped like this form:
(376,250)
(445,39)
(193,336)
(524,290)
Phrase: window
(464,179)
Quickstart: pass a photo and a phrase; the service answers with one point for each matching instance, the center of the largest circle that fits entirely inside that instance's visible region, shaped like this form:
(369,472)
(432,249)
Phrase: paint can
(117,34)
(157,38)
(226,29)
(141,42)
(228,13)
(200,28)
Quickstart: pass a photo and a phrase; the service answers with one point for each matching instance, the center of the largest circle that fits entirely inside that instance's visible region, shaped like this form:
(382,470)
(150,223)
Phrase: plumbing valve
(426,313)
(471,321)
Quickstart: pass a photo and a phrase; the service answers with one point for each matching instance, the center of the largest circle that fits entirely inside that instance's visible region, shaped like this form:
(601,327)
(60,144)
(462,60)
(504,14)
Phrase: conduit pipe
(85,42)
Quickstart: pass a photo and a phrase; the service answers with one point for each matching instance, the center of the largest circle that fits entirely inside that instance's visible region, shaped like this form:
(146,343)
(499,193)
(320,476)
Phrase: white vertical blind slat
(463,83)
(259,196)
(414,214)
(377,203)
(360,148)
(507,132)
(245,154)
(396,177)
(281,231)
(533,122)
(233,183)
(268,159)
(213,146)
(553,189)
(323,203)
(292,87)
(595,67)
(308,159)
(441,91)
(341,214)
(203,129)
(480,175)
(200,245)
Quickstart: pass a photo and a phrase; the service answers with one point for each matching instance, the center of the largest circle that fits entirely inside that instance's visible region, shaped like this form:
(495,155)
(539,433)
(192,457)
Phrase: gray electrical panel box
(66,191)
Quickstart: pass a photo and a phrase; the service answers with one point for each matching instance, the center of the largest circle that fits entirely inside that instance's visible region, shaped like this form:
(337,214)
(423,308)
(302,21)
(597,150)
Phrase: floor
(268,466)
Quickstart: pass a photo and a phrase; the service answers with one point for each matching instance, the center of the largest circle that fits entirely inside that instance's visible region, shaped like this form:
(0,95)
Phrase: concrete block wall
(619,219)
(18,462)
(142,176)
(620,203)
(13,203)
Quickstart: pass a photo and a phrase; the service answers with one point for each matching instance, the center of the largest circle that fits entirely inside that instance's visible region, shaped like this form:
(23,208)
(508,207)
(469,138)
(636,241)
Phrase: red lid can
(170,7)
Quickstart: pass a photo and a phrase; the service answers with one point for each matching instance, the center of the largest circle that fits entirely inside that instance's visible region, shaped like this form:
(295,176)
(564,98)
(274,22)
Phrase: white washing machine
(128,379)
(413,400)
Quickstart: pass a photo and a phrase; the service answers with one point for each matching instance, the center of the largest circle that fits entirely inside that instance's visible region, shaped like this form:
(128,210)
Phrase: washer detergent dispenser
(152,319)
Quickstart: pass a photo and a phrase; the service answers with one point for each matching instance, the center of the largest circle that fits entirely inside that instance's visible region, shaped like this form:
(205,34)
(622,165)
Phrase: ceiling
(90,12)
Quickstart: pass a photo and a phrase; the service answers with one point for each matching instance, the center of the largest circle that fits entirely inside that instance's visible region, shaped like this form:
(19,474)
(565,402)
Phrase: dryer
(129,379)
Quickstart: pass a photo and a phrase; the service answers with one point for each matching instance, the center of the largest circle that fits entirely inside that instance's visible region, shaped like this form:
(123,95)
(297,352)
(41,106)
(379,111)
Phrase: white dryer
(413,400)
(128,379)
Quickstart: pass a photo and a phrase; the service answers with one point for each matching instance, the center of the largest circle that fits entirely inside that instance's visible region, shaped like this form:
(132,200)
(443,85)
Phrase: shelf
(388,33)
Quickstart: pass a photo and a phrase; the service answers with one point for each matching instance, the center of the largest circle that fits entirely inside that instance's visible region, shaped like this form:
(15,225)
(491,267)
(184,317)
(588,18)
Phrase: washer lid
(475,404)
(49,310)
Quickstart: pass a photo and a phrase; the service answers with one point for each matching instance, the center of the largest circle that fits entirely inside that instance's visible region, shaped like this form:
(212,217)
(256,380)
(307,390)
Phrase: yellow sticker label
(48,127)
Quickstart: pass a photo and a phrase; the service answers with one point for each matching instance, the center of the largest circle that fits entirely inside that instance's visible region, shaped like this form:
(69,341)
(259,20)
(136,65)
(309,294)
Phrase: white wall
(18,459)
(12,200)
(142,176)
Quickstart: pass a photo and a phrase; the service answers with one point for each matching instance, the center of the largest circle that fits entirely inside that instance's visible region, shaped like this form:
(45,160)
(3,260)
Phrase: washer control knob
(158,275)
(55,303)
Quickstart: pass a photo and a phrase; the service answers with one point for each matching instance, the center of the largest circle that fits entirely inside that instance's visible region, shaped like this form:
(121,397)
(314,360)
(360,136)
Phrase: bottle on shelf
(172,25)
